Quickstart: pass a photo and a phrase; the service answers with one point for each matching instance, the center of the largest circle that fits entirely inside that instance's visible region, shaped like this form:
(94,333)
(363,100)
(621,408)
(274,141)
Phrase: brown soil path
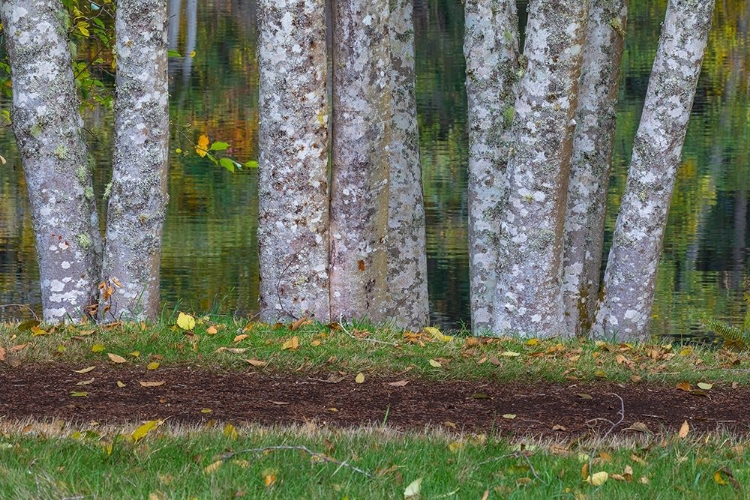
(561,410)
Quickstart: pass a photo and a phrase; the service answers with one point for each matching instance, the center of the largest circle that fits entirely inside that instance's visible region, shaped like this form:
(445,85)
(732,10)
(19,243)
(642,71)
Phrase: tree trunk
(48,130)
(491,52)
(293,161)
(407,304)
(138,191)
(361,135)
(636,247)
(591,161)
(528,296)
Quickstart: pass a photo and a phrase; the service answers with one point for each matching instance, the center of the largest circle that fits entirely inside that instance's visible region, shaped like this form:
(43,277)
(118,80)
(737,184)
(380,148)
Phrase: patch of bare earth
(540,408)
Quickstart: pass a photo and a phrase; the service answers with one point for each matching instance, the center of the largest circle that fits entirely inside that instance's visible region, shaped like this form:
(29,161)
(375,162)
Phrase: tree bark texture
(407,303)
(528,296)
(293,161)
(56,164)
(138,191)
(591,161)
(491,52)
(361,135)
(633,262)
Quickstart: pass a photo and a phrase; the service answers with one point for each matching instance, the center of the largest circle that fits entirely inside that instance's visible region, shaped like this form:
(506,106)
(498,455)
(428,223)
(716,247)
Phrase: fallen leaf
(636,458)
(151,384)
(240,338)
(142,430)
(705,386)
(76,394)
(230,431)
(532,342)
(635,378)
(116,358)
(558,427)
(583,395)
(210,469)
(628,473)
(360,378)
(206,410)
(256,362)
(85,382)
(509,416)
(684,430)
(456,446)
(400,383)
(413,489)
(282,403)
(291,344)
(186,321)
(2,354)
(269,480)
(510,354)
(600,374)
(85,370)
(97,348)
(152,365)
(135,354)
(211,330)
(585,471)
(300,323)
(683,386)
(638,427)
(435,364)
(121,384)
(485,495)
(643,480)
(598,478)
(436,334)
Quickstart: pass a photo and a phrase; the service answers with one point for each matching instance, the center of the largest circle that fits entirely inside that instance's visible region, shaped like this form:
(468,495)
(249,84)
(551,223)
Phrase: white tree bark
(636,248)
(361,134)
(48,130)
(407,303)
(528,297)
(138,192)
(491,52)
(293,161)
(591,161)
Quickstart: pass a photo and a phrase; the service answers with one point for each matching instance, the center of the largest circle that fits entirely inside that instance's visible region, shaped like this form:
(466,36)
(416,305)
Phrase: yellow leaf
(510,354)
(136,354)
(83,28)
(151,384)
(412,491)
(600,374)
(192,54)
(437,334)
(269,480)
(209,469)
(360,378)
(718,479)
(291,344)
(97,348)
(435,364)
(230,431)
(456,446)
(211,330)
(240,338)
(598,478)
(76,394)
(509,416)
(120,384)
(585,470)
(116,358)
(142,430)
(705,386)
(683,386)
(201,149)
(532,342)
(206,410)
(85,370)
(684,429)
(186,321)
(152,365)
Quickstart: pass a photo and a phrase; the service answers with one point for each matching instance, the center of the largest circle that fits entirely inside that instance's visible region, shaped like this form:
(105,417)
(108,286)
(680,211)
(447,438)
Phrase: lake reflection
(210,260)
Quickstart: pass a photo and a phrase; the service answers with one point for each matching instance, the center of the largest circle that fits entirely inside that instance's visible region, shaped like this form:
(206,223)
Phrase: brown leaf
(683,386)
(2,354)
(240,338)
(291,344)
(116,358)
(233,350)
(18,347)
(85,370)
(256,362)
(85,382)
(684,429)
(151,383)
(638,427)
(300,323)
(400,383)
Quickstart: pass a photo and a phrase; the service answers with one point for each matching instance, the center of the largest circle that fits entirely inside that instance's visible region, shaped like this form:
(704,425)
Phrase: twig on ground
(314,454)
(368,339)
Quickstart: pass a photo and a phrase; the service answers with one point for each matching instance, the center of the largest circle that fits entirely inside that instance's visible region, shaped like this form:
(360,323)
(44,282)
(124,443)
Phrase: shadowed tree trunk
(407,303)
(138,192)
(293,233)
(636,247)
(528,296)
(56,165)
(491,52)
(591,161)
(360,160)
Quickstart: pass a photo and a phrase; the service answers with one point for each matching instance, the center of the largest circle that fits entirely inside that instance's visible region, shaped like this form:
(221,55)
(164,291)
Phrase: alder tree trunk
(528,298)
(56,164)
(491,52)
(293,235)
(138,191)
(633,262)
(591,161)
(407,303)
(360,160)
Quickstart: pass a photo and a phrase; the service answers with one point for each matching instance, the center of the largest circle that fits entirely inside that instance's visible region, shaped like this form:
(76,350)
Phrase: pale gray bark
(361,134)
(591,161)
(173,29)
(528,298)
(407,304)
(491,52)
(293,236)
(138,192)
(636,248)
(48,130)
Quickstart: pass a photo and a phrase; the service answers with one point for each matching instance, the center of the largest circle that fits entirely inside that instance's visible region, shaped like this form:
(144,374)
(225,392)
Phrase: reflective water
(210,257)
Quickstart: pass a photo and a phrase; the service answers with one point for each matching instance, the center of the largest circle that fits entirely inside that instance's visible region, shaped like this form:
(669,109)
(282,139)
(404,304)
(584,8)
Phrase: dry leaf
(230,431)
(705,386)
(116,358)
(256,362)
(151,384)
(291,344)
(400,383)
(456,446)
(233,350)
(638,427)
(85,370)
(412,491)
(76,394)
(18,347)
(583,395)
(97,348)
(85,382)
(211,330)
(120,384)
(152,365)
(360,378)
(435,364)
(206,410)
(510,354)
(598,478)
(684,429)
(186,321)
(683,386)
(209,469)
(509,416)
(2,354)
(240,338)
(142,430)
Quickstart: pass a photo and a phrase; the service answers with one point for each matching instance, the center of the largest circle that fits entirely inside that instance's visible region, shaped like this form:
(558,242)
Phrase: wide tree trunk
(293,233)
(591,161)
(407,304)
(636,247)
(491,52)
(361,135)
(56,164)
(528,297)
(138,192)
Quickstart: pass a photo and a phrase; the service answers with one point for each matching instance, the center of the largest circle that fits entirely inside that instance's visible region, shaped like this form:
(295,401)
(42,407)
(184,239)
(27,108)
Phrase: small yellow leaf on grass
(230,431)
(211,330)
(269,480)
(532,342)
(116,358)
(585,471)
(291,344)
(151,384)
(598,478)
(510,354)
(152,365)
(705,386)
(456,446)
(600,374)
(240,338)
(120,384)
(76,394)
(360,378)
(413,489)
(509,416)
(435,364)
(142,430)
(135,354)
(684,429)
(209,469)
(186,321)
(437,334)
(97,348)
(85,370)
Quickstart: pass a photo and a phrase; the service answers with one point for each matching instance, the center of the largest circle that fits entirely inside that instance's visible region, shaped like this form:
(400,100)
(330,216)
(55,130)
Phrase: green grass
(350,349)
(54,460)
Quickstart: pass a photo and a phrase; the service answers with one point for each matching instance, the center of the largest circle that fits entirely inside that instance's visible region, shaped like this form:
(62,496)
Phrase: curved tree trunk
(528,296)
(138,192)
(491,52)
(636,248)
(361,135)
(407,304)
(293,161)
(591,161)
(55,159)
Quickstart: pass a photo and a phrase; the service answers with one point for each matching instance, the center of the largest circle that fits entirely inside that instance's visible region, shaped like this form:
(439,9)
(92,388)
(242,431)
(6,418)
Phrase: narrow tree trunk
(636,248)
(48,130)
(293,161)
(407,304)
(528,296)
(138,192)
(491,52)
(361,135)
(591,161)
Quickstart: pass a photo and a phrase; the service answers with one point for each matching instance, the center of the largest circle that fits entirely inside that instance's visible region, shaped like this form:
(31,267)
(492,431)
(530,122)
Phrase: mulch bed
(540,408)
